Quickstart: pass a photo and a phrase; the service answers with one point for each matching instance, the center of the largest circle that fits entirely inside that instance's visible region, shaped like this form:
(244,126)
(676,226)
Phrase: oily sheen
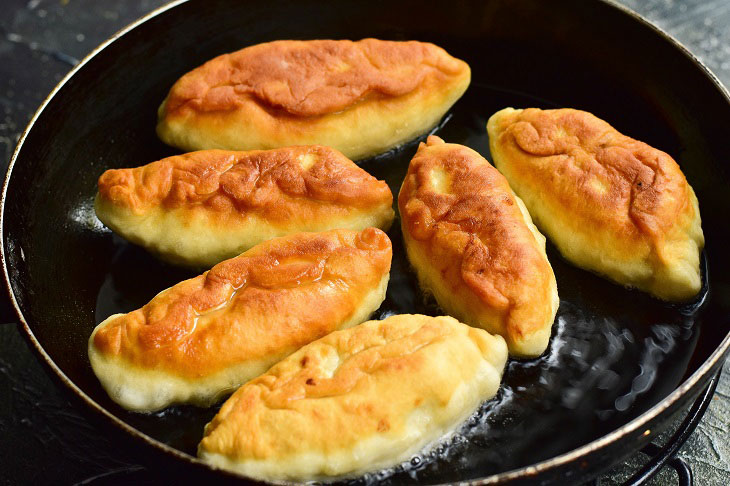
(609,203)
(204,337)
(361,98)
(200,208)
(474,247)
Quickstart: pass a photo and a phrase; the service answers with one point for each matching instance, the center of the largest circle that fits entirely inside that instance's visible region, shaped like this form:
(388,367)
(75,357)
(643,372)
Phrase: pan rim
(525,472)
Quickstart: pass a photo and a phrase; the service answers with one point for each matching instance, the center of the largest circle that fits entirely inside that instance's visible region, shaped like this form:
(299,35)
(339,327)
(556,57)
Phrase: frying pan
(620,364)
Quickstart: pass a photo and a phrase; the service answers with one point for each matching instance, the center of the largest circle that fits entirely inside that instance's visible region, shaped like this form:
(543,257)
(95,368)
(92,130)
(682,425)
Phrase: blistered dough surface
(244,314)
(474,248)
(357,400)
(610,203)
(202,207)
(311,78)
(360,97)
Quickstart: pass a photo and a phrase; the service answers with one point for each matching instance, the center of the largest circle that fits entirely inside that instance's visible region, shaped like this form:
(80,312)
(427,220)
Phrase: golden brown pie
(203,207)
(361,98)
(204,337)
(474,247)
(611,204)
(357,400)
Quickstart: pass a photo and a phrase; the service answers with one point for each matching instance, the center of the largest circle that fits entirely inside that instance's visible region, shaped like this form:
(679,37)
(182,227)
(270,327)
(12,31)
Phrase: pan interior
(614,352)
(607,349)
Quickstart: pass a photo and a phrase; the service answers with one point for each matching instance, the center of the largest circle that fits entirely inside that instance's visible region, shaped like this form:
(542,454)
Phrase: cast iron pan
(620,363)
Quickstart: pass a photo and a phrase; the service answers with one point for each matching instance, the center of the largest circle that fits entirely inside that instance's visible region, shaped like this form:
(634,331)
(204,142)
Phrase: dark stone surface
(45,439)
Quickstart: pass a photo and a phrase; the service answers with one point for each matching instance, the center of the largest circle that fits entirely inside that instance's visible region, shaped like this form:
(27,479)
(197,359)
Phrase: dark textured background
(43,438)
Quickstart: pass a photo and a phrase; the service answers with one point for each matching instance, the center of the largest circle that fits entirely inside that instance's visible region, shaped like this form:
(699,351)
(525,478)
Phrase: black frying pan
(620,363)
